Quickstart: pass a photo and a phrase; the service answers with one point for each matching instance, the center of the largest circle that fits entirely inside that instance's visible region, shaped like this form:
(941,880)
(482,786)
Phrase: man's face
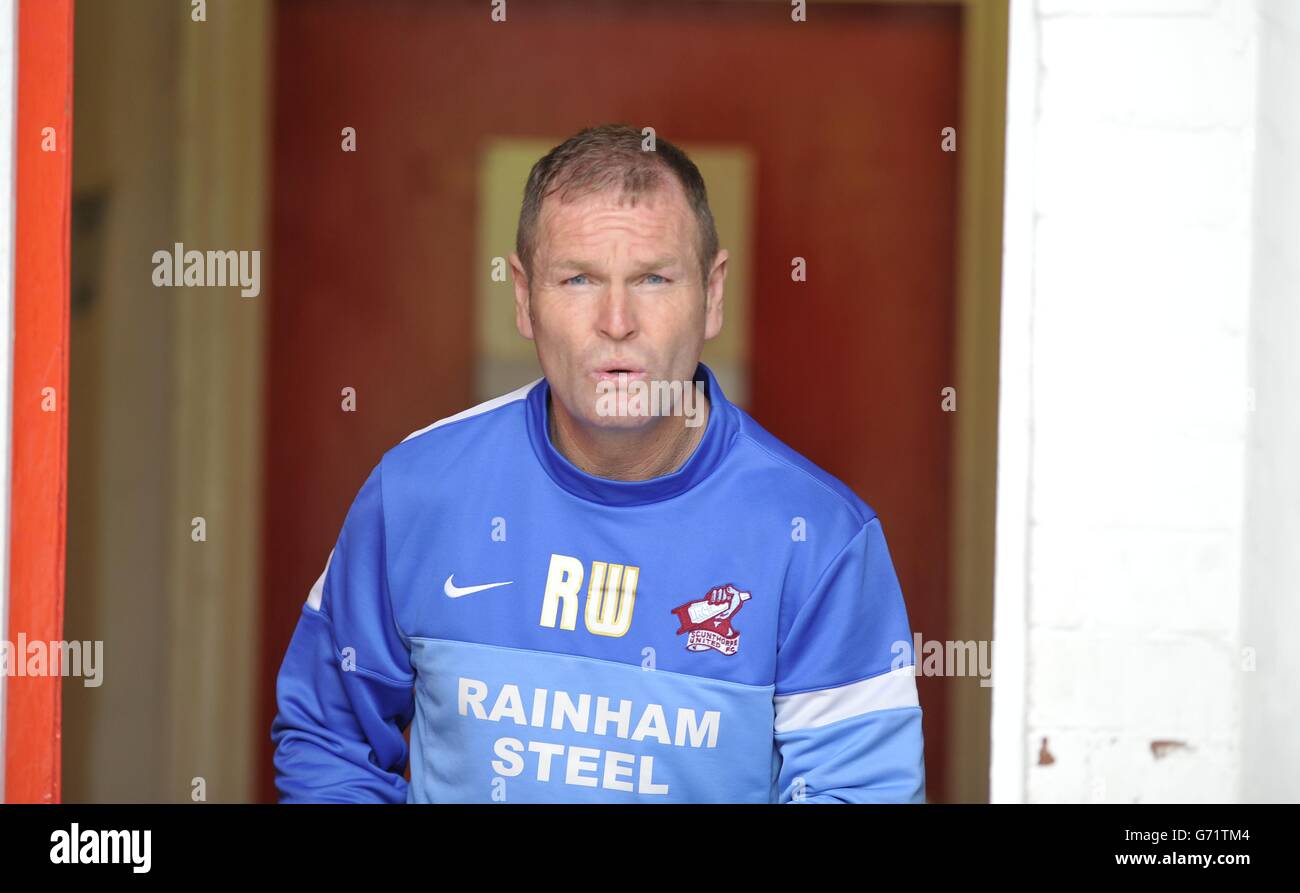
(617,287)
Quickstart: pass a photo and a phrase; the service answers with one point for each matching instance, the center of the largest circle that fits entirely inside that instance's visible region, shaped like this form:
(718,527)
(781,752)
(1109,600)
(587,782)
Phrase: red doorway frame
(38,488)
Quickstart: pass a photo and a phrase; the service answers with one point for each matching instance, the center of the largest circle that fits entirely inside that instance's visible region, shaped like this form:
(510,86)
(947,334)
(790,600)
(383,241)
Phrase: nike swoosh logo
(454,591)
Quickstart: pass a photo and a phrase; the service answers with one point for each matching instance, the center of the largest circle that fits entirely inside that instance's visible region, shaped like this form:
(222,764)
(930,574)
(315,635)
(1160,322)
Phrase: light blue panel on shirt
(522,726)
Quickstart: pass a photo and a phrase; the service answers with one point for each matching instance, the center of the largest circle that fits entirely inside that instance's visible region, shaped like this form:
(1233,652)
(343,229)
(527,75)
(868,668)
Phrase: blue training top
(731,632)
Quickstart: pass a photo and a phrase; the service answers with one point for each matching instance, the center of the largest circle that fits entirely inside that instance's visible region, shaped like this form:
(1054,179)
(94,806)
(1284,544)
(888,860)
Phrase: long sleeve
(847,718)
(344,691)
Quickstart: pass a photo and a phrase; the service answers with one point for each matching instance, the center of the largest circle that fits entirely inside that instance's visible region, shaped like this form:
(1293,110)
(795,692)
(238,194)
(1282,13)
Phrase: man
(579,599)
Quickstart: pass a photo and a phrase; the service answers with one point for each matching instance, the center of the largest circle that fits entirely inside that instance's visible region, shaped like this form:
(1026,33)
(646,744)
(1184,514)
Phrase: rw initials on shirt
(610,595)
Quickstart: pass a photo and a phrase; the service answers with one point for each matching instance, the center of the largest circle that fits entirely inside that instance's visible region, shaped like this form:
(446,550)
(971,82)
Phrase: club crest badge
(708,619)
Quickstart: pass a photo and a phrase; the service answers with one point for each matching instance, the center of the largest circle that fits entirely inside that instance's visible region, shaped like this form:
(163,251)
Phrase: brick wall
(1130,480)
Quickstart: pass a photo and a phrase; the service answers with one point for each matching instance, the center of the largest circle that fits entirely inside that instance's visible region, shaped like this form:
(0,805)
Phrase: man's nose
(617,315)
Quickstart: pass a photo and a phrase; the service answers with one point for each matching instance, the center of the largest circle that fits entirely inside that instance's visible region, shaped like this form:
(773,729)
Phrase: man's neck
(621,455)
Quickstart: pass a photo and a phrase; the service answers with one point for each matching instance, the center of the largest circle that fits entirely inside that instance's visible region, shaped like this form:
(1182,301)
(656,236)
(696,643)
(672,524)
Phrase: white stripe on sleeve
(318,588)
(810,709)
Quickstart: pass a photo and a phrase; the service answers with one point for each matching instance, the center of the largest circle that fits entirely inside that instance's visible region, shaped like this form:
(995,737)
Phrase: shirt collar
(708,454)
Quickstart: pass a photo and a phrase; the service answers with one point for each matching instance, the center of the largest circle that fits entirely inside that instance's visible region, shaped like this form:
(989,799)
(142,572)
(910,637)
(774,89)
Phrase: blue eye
(571,278)
(657,276)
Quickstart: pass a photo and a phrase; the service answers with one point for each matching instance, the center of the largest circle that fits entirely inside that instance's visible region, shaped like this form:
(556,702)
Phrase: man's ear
(714,296)
(523,300)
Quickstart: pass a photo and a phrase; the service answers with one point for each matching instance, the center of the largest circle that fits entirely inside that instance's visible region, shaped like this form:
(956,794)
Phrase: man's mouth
(614,371)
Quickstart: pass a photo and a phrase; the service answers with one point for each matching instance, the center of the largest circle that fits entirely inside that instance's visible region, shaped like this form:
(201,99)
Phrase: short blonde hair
(607,157)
